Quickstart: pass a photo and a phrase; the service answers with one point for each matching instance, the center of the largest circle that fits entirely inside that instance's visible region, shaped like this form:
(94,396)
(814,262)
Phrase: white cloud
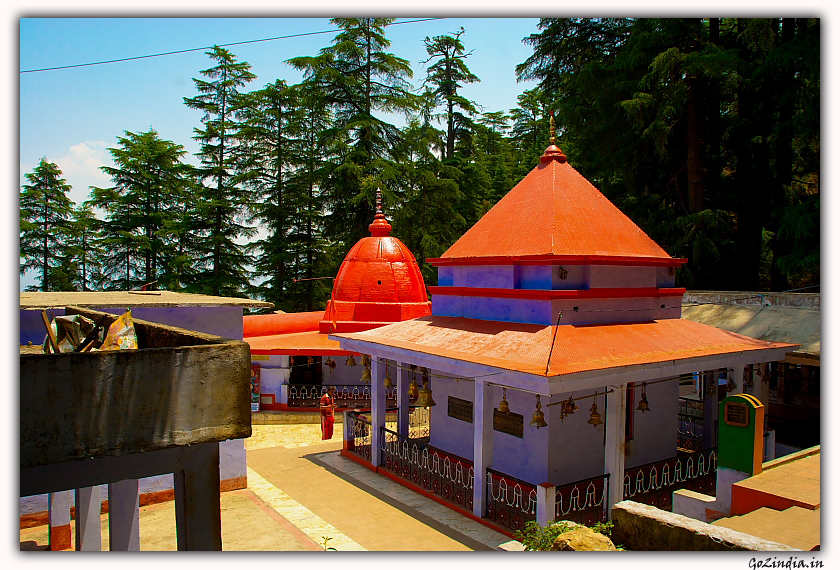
(81,168)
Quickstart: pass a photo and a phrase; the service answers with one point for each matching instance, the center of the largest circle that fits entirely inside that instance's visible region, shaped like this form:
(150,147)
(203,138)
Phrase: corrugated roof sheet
(310,343)
(577,348)
(554,210)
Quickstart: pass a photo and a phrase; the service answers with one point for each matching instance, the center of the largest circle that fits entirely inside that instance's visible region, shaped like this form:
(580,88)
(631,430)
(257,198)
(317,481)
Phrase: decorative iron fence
(510,501)
(653,484)
(436,471)
(346,395)
(361,441)
(584,501)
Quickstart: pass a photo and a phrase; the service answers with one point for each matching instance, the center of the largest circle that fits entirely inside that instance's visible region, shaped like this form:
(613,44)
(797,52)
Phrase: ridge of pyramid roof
(555,212)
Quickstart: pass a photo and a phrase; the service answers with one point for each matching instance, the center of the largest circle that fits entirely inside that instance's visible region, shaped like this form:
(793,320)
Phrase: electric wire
(208,47)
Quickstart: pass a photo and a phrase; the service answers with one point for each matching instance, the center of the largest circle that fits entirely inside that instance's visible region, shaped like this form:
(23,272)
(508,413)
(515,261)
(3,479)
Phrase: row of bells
(423,396)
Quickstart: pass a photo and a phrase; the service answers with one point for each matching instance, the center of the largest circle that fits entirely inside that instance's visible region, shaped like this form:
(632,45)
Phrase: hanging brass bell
(503,405)
(412,389)
(424,397)
(365,360)
(366,375)
(389,383)
(594,416)
(350,361)
(643,403)
(538,419)
(331,364)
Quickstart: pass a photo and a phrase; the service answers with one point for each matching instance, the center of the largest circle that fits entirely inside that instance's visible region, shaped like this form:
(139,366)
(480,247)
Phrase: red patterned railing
(584,501)
(510,501)
(654,483)
(447,476)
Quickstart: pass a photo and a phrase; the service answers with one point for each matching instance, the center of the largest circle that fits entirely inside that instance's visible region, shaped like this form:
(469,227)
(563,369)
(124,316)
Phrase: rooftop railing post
(124,515)
(198,521)
(59,513)
(88,521)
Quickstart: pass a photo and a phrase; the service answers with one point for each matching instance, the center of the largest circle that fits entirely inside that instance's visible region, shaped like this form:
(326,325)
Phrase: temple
(294,359)
(552,301)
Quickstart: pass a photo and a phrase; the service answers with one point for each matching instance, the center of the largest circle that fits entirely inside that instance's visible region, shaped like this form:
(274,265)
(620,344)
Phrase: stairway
(794,526)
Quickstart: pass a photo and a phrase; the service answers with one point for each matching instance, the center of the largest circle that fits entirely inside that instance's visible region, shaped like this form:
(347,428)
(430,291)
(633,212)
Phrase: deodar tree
(45,227)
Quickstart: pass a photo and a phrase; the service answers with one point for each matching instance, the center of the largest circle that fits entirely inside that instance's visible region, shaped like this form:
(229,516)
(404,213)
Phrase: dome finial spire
(380,226)
(552,130)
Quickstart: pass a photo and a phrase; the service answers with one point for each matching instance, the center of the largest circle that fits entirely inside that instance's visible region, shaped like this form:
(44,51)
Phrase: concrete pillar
(482,443)
(88,521)
(349,437)
(546,503)
(614,446)
(762,380)
(377,412)
(124,515)
(284,394)
(403,404)
(59,508)
(198,508)
(738,378)
(710,408)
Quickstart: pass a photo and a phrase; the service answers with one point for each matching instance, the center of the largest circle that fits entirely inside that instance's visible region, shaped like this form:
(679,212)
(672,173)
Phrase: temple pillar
(377,413)
(482,443)
(614,445)
(710,407)
(403,404)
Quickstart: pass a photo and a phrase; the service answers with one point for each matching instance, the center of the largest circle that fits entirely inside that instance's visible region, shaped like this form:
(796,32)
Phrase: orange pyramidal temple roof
(554,211)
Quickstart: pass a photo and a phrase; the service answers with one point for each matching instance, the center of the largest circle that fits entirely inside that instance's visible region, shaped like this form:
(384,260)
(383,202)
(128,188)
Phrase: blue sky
(72,116)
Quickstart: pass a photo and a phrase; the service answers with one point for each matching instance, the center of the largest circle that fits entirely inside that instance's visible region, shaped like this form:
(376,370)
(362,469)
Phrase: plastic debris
(121,334)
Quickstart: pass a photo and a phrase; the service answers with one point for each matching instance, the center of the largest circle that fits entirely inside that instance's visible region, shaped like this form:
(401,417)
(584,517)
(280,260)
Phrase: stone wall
(642,527)
(800,300)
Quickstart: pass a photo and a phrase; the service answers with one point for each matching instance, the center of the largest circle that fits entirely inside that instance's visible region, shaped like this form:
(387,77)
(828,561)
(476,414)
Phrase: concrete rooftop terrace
(107,299)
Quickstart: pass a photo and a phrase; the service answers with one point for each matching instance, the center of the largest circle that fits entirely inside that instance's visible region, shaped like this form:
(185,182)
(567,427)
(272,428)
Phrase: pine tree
(45,228)
(86,250)
(357,78)
(221,266)
(148,179)
(447,74)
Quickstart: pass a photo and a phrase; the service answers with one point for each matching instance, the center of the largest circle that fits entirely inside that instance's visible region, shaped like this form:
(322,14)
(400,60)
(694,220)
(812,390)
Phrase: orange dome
(378,283)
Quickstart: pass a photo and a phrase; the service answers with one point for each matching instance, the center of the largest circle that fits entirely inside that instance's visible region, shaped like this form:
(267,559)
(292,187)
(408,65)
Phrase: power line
(209,47)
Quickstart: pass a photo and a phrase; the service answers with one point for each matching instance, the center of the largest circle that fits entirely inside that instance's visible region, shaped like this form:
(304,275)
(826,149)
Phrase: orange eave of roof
(310,343)
(576,348)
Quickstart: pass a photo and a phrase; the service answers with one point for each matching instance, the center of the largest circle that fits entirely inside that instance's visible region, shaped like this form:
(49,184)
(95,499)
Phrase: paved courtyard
(302,495)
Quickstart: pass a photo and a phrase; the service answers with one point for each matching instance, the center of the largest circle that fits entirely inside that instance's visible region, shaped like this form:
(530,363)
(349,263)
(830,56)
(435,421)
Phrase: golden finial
(551,127)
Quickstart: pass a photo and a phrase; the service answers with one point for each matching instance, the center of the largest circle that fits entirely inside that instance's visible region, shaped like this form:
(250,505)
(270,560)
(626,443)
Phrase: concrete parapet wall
(186,388)
(801,300)
(642,527)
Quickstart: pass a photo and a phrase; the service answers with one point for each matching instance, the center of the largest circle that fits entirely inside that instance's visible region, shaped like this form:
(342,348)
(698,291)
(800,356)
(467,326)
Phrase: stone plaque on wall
(508,422)
(460,409)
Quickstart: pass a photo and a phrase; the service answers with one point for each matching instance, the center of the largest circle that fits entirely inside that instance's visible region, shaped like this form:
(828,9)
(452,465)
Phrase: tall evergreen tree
(447,74)
(85,249)
(358,78)
(221,268)
(46,227)
(148,179)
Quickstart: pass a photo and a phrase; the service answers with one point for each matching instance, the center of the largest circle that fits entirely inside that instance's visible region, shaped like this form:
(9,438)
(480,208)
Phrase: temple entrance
(305,370)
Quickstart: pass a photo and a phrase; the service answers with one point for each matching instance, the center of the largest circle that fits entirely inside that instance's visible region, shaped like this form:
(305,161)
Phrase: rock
(582,538)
